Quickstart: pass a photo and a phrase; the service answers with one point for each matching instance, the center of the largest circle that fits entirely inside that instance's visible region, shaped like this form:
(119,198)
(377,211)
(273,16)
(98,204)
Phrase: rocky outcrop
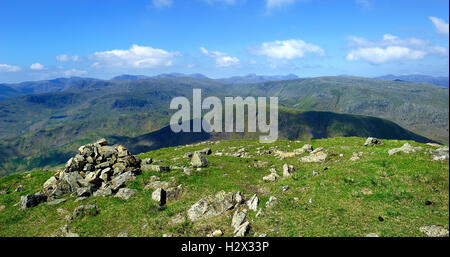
(434,231)
(406,148)
(125,193)
(212,206)
(96,167)
(318,155)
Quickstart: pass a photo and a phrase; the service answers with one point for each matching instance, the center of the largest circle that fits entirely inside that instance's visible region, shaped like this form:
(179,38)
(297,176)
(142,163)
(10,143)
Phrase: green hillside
(387,195)
(53,147)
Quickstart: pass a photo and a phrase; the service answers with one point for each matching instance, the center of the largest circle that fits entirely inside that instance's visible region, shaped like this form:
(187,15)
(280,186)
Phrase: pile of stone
(98,170)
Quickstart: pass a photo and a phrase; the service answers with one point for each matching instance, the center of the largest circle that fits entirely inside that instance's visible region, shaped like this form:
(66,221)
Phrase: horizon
(103,39)
(223,78)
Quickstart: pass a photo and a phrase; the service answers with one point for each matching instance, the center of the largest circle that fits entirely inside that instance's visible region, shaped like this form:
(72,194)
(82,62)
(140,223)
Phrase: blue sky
(219,38)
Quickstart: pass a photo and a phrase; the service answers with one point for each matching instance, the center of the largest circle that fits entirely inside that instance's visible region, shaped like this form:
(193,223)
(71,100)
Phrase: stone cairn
(98,170)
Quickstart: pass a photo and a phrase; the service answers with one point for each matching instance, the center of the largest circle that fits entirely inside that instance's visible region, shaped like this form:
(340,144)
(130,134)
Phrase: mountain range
(43,128)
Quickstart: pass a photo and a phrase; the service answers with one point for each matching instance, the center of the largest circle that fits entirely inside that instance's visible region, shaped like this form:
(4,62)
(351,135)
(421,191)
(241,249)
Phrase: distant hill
(40,129)
(38,87)
(164,75)
(438,81)
(253,78)
(54,146)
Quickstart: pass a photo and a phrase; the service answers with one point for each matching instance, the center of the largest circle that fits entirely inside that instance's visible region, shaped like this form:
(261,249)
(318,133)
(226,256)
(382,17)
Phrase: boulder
(157,168)
(242,230)
(199,160)
(205,151)
(174,193)
(159,195)
(120,180)
(272,176)
(88,209)
(29,201)
(288,170)
(406,148)
(371,141)
(238,218)
(125,193)
(305,148)
(272,201)
(252,203)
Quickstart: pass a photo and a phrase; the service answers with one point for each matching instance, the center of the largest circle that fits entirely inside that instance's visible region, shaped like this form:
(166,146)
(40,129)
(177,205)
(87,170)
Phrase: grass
(347,198)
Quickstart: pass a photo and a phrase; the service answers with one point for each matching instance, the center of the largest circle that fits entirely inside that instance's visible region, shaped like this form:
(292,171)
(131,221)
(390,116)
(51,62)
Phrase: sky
(220,38)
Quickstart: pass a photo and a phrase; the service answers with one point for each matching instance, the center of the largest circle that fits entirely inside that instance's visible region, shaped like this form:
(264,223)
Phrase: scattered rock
(434,144)
(242,230)
(103,192)
(64,232)
(56,201)
(238,218)
(406,148)
(159,195)
(125,193)
(356,156)
(317,155)
(199,160)
(315,173)
(272,201)
(372,235)
(252,203)
(188,155)
(288,170)
(272,176)
(88,209)
(28,201)
(123,234)
(260,164)
(370,141)
(212,206)
(2,207)
(174,193)
(217,232)
(205,151)
(305,148)
(284,188)
(79,199)
(434,231)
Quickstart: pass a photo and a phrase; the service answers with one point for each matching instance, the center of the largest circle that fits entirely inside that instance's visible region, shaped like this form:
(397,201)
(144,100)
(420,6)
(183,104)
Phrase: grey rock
(252,203)
(56,201)
(371,141)
(315,156)
(406,148)
(125,193)
(272,201)
(212,206)
(284,188)
(159,195)
(174,193)
(20,188)
(88,209)
(242,230)
(121,180)
(29,201)
(288,170)
(199,160)
(238,218)
(103,192)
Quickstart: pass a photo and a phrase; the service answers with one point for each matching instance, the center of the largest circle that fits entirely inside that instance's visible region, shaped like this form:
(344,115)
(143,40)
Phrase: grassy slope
(400,185)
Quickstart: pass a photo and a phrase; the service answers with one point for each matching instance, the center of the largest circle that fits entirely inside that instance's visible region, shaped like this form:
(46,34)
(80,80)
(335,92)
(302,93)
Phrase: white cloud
(222,59)
(162,3)
(136,57)
(391,48)
(65,58)
(37,66)
(440,25)
(288,49)
(9,68)
(74,72)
